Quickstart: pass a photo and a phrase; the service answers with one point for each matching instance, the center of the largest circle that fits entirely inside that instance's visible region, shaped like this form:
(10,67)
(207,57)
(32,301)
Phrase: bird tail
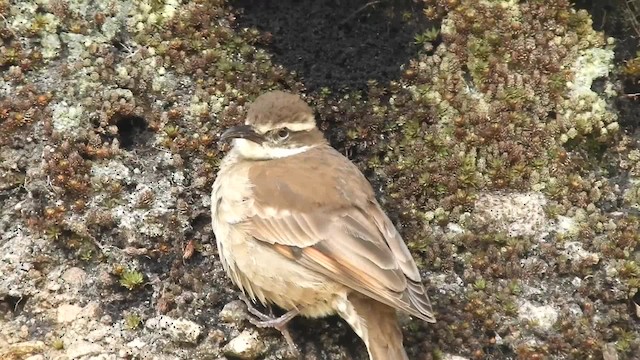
(377,325)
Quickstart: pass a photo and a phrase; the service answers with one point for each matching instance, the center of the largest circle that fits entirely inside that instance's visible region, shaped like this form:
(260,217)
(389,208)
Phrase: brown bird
(298,225)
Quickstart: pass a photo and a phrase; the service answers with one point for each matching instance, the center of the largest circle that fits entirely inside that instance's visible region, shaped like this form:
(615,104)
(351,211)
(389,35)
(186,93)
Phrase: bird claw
(270,321)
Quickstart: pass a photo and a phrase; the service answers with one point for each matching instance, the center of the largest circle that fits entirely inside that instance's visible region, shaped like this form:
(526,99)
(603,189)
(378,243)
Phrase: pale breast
(231,195)
(257,269)
(230,200)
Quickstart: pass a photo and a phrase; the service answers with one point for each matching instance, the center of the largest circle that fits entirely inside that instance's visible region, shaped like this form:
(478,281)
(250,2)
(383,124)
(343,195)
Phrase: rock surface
(500,136)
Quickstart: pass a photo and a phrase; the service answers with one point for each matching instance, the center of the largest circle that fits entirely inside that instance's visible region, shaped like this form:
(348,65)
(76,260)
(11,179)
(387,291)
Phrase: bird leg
(270,321)
(255,312)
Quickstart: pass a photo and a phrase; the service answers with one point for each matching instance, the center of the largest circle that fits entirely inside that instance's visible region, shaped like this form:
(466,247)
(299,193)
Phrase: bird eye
(283,134)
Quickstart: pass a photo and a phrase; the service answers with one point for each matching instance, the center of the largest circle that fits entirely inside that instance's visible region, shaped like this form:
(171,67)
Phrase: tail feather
(377,325)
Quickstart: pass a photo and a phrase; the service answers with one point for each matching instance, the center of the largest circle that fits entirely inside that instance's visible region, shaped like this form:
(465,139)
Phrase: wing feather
(343,235)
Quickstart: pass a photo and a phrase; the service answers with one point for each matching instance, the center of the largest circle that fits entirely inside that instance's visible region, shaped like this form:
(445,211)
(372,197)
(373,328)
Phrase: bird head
(278,125)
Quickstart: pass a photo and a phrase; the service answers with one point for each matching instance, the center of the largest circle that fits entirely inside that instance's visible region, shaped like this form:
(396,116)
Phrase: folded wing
(357,246)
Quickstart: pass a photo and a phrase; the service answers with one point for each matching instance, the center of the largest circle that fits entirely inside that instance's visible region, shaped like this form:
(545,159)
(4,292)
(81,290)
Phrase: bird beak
(242,132)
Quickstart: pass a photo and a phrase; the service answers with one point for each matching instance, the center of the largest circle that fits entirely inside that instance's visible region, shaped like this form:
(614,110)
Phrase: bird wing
(343,235)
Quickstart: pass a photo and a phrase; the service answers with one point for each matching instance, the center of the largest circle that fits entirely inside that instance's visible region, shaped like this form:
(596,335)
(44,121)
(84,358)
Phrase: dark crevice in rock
(629,114)
(13,304)
(132,131)
(635,305)
(598,85)
(616,19)
(201,221)
(338,44)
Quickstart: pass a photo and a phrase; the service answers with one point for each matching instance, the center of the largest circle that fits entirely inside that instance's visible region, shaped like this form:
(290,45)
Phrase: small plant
(438,354)
(132,321)
(510,309)
(53,233)
(480,284)
(57,344)
(426,37)
(632,67)
(630,269)
(131,279)
(325,92)
(624,341)
(171,131)
(85,253)
(514,287)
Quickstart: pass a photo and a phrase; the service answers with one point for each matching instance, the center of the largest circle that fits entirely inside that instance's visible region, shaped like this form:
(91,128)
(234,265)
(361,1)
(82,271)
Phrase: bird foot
(270,321)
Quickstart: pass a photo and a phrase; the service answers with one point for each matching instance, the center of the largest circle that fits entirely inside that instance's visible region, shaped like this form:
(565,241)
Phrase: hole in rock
(132,131)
